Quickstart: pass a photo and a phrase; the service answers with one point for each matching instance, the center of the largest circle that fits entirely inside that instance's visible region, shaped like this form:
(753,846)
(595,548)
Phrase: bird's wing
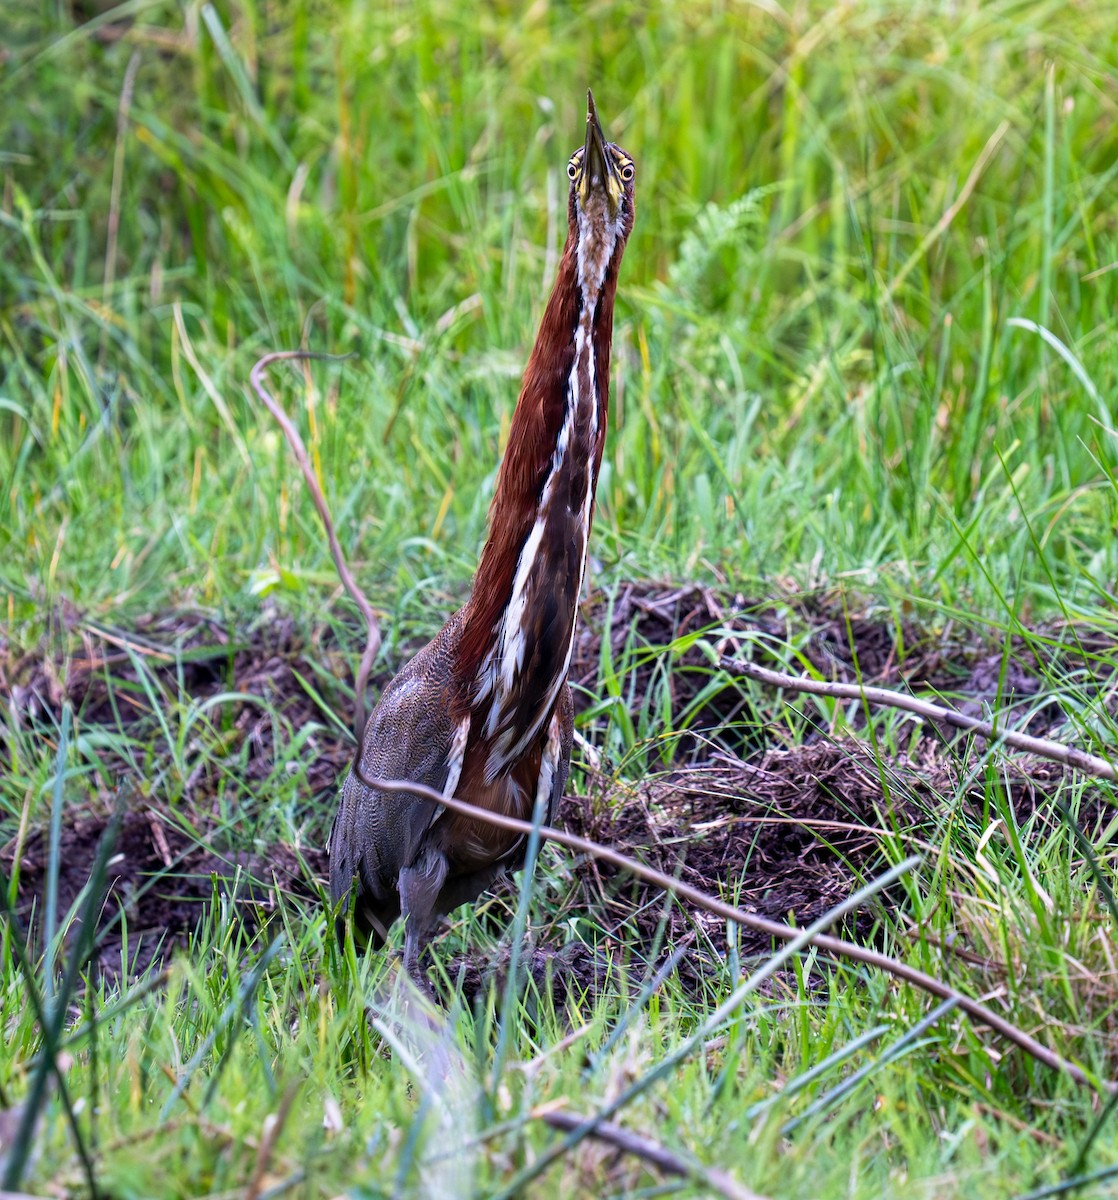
(410,736)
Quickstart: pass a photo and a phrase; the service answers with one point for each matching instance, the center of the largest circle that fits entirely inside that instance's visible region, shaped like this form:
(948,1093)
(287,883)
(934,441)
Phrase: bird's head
(601,196)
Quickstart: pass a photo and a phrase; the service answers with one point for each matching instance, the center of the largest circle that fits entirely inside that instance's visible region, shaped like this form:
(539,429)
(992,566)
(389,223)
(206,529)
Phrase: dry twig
(651,1152)
(1089,764)
(372,644)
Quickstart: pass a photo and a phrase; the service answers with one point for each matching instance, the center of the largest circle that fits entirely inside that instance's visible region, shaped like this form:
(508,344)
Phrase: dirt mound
(788,836)
(778,831)
(638,622)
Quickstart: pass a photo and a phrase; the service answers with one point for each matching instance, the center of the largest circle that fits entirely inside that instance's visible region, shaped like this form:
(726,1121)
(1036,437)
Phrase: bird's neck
(518,626)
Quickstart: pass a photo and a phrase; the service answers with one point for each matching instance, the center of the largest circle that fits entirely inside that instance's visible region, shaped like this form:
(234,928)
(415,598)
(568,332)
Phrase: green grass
(865,344)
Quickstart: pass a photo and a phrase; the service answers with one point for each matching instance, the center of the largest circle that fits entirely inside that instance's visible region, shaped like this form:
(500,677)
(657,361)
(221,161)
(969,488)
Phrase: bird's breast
(471,844)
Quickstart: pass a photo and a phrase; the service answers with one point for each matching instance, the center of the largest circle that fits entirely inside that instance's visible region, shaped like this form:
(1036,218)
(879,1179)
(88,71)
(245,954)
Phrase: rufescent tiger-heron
(483,712)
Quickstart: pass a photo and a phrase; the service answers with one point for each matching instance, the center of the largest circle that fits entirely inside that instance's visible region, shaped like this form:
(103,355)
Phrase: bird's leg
(420,885)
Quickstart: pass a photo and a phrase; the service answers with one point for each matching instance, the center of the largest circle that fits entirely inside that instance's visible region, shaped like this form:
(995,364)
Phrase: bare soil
(160,878)
(782,831)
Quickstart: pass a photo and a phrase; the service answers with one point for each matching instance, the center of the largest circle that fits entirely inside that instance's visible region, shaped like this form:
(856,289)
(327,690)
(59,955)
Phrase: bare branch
(1089,764)
(775,929)
(372,644)
(651,1152)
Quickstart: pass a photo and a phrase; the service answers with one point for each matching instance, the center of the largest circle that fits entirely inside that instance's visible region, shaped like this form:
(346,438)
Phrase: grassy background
(819,382)
(840,209)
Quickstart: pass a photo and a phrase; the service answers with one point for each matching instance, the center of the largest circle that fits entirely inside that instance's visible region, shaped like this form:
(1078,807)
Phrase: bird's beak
(598,172)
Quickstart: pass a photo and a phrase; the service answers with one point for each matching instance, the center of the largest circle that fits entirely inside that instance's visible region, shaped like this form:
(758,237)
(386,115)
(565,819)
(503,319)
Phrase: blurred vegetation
(840,209)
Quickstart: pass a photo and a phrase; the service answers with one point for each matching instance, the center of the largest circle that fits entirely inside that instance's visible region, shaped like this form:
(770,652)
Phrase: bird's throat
(526,592)
(519,680)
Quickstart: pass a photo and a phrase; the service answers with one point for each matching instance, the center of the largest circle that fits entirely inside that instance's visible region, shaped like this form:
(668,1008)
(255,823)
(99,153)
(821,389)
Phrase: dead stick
(776,929)
(1089,764)
(652,1152)
(269,1136)
(372,645)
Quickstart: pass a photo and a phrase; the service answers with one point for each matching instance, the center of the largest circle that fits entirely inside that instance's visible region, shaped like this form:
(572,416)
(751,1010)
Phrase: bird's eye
(627,172)
(572,169)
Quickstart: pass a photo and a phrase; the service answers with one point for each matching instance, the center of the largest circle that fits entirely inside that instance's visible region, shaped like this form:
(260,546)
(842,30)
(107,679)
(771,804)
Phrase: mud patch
(158,882)
(120,680)
(639,625)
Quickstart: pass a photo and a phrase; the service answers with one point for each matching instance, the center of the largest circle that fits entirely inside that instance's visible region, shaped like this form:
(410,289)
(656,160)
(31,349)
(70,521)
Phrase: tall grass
(840,211)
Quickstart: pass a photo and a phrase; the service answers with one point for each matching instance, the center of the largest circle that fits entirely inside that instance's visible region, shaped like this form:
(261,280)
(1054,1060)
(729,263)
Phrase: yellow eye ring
(627,172)
(572,169)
